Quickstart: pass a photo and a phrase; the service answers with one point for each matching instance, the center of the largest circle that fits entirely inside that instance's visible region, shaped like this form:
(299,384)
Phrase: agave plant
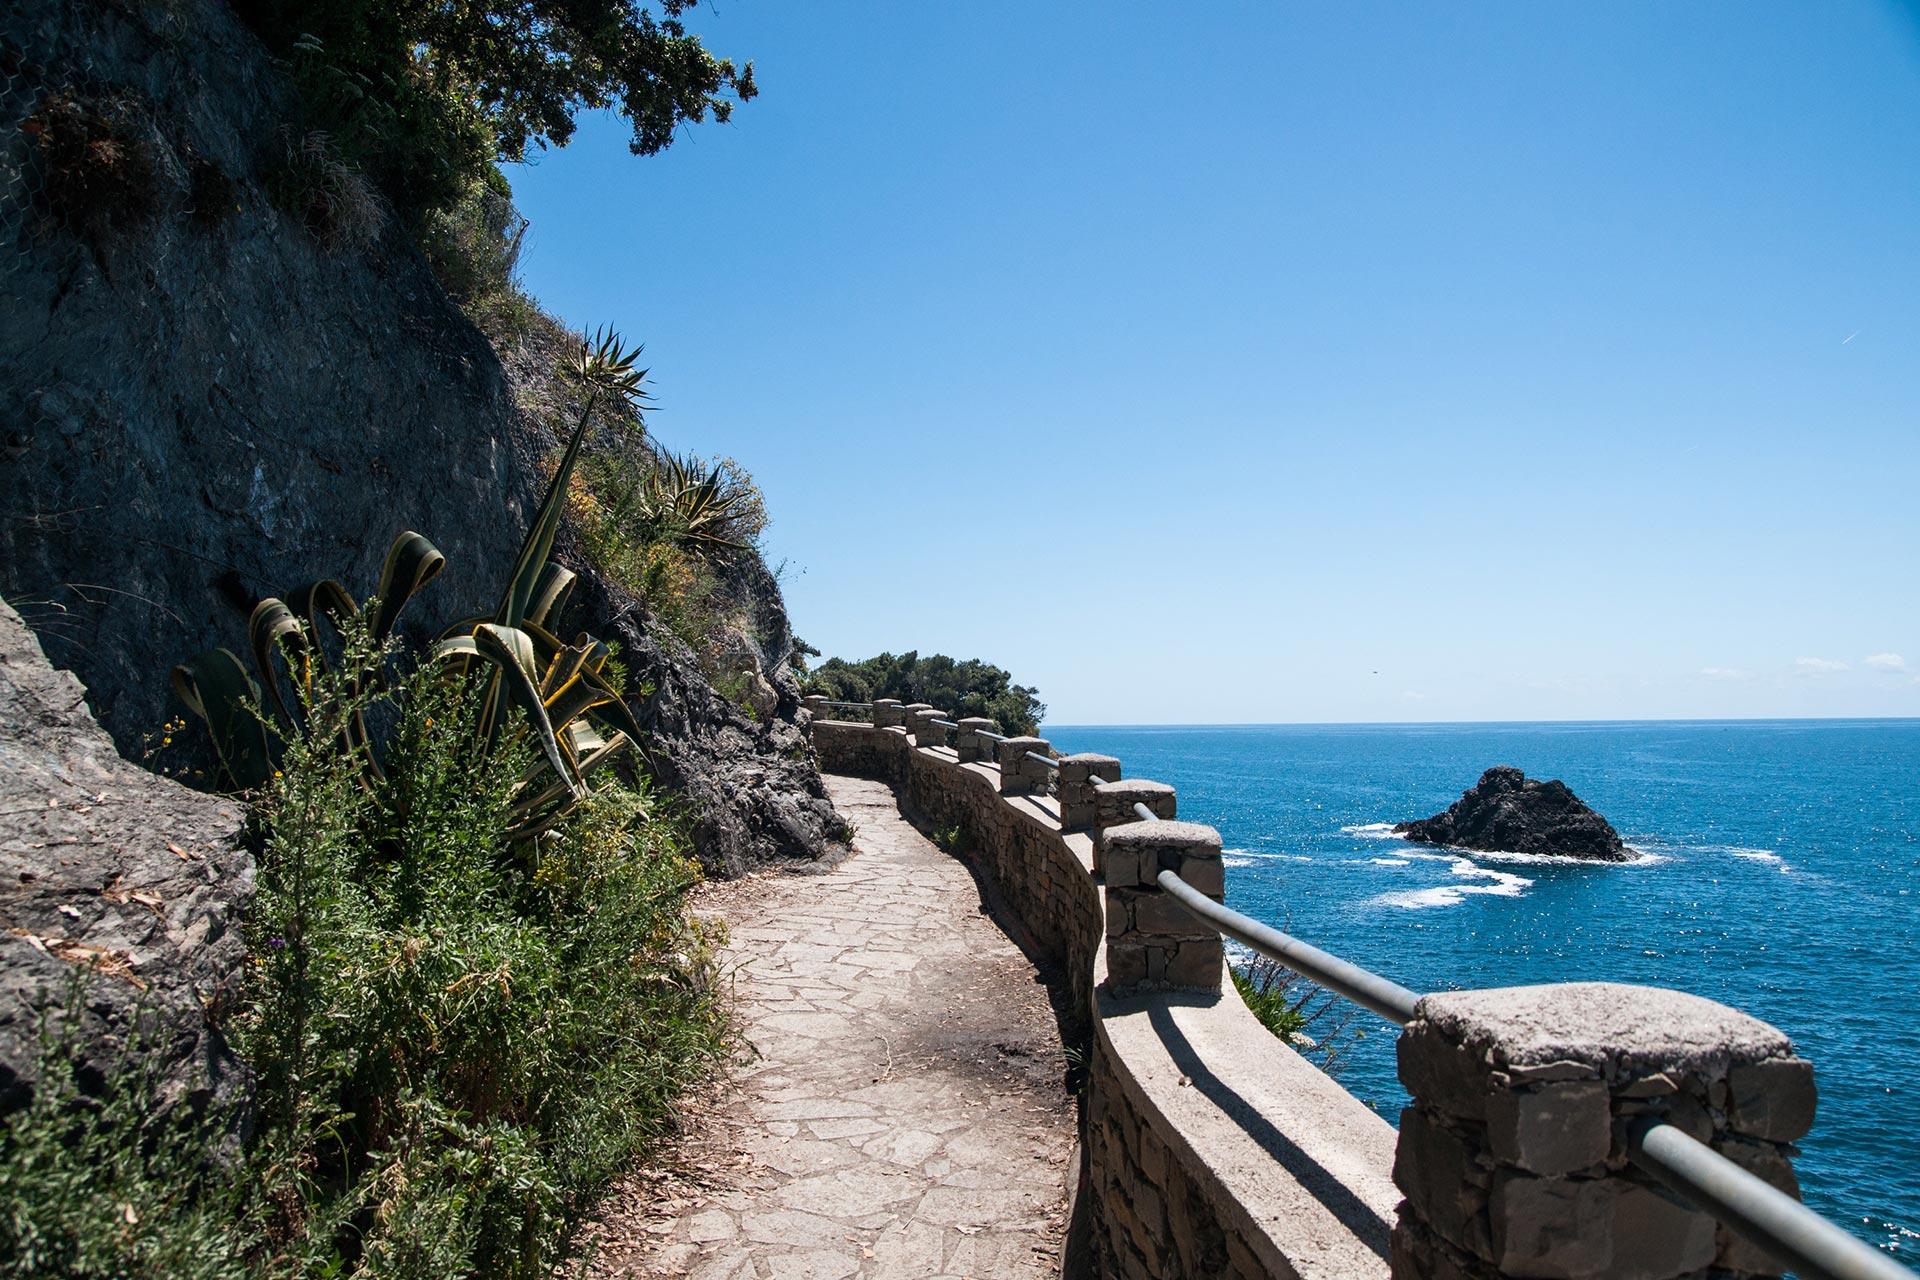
(692,501)
(573,713)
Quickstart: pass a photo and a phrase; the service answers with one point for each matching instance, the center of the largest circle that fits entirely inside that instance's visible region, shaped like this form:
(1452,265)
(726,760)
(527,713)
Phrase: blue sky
(1261,362)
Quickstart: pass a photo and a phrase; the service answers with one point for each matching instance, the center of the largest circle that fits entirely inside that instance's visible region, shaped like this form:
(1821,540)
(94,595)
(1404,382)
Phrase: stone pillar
(1512,1157)
(1113,807)
(1152,940)
(1078,776)
(925,732)
(1019,775)
(887,712)
(815,705)
(967,741)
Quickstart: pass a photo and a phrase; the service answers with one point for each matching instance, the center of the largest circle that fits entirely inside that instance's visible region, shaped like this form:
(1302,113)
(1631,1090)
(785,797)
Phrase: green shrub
(113,1185)
(458,1035)
(1312,1020)
(474,246)
(665,529)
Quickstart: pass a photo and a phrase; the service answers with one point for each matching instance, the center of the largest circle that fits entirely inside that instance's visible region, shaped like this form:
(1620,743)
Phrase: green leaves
(604,365)
(692,502)
(554,687)
(218,689)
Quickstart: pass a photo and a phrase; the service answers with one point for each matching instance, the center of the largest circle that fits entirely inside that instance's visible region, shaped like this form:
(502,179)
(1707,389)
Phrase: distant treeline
(970,688)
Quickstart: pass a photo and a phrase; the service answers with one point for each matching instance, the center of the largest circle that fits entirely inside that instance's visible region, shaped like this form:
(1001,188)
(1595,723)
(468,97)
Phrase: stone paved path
(904,1116)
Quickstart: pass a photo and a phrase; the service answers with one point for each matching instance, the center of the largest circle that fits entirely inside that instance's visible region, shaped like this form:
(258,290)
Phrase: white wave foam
(1251,856)
(1500,884)
(1228,860)
(1371,831)
(1389,862)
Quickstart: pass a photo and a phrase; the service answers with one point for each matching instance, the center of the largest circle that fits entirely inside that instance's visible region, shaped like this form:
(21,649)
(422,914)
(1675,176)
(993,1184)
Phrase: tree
(970,688)
(425,94)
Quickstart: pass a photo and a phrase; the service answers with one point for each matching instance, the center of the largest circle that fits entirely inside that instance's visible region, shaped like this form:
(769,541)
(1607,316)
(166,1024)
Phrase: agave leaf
(511,652)
(522,812)
(271,625)
(216,687)
(412,562)
(527,568)
(550,594)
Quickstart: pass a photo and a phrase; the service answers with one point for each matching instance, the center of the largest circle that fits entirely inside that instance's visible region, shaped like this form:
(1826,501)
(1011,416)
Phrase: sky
(1259,363)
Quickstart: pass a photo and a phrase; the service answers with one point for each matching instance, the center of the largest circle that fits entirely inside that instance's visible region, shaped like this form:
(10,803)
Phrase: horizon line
(1439,724)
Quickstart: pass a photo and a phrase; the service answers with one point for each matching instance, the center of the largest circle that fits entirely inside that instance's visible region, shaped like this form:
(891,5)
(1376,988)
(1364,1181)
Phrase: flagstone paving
(901,1113)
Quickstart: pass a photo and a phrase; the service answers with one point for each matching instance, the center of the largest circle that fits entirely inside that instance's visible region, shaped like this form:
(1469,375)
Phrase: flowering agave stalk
(561,690)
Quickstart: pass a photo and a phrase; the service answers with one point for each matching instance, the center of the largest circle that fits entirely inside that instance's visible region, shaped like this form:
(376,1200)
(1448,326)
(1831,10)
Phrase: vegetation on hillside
(474,988)
(424,98)
(457,1035)
(970,688)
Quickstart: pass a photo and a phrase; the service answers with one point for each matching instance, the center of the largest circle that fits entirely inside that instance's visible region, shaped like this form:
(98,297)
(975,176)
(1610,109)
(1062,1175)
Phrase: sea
(1777,871)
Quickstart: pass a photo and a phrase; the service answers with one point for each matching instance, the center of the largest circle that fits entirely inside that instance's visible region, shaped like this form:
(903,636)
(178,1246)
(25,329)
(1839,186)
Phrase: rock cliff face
(112,872)
(203,400)
(1507,812)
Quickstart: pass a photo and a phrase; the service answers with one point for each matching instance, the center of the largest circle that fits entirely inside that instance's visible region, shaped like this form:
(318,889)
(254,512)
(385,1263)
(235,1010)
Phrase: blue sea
(1779,873)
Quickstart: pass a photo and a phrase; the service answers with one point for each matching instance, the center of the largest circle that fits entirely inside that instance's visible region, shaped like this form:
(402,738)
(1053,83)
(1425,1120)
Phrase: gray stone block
(1773,1099)
(1552,1128)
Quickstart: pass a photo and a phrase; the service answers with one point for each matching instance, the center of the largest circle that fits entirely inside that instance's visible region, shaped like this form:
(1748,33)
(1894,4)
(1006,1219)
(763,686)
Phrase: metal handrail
(1812,1246)
(1342,977)
(830,703)
(1772,1219)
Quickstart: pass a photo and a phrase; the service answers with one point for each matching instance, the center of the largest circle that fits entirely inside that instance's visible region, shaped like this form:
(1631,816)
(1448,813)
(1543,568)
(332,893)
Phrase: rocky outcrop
(752,792)
(1508,812)
(118,878)
(205,399)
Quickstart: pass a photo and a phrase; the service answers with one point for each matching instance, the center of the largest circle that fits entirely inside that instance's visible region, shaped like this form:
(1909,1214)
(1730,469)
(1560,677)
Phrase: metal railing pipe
(1794,1234)
(944,724)
(1369,990)
(990,736)
(1048,761)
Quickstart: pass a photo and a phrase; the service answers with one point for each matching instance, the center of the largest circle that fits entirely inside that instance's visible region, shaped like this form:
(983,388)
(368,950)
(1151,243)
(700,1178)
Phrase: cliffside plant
(95,162)
(566,706)
(1316,1023)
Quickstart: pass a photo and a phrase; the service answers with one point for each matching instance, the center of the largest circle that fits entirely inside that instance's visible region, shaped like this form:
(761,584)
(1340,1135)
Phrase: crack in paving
(901,1114)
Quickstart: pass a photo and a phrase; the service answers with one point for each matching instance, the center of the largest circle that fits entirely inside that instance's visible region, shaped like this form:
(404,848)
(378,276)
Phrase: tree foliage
(970,688)
(424,95)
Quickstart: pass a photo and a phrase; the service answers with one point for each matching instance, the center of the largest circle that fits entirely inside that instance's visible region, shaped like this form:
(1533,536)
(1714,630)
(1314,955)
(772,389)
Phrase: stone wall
(1212,1149)
(1209,1147)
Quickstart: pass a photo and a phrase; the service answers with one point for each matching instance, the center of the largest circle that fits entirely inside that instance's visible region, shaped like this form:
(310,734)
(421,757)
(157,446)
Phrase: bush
(112,1184)
(474,247)
(324,193)
(458,1038)
(96,164)
(665,528)
(971,688)
(1312,1020)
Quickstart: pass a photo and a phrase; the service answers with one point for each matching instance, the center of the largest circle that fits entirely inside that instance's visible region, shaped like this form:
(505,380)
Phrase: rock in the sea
(117,877)
(1508,812)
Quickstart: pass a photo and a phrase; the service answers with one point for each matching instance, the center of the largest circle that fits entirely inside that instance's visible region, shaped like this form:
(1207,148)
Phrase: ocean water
(1779,873)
